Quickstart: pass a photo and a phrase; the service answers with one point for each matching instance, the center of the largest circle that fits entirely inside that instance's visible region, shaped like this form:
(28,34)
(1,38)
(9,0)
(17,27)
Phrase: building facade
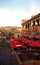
(32,25)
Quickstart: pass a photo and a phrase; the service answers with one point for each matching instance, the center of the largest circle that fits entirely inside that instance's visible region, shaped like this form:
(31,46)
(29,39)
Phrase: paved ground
(7,59)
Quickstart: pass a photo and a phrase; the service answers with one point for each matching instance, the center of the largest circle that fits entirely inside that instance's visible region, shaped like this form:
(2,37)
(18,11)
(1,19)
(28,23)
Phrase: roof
(24,21)
(33,17)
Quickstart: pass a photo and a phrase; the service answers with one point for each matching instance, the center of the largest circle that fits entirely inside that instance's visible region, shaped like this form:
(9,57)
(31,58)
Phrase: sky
(13,11)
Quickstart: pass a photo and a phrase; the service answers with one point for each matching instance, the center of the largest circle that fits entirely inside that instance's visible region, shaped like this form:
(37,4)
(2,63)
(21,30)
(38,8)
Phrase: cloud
(34,9)
(13,17)
(8,18)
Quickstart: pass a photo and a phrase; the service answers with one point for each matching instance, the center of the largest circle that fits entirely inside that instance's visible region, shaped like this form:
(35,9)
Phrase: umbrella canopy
(33,43)
(14,43)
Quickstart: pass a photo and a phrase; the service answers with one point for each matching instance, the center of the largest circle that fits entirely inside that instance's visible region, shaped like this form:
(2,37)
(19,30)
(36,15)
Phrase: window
(30,23)
(26,26)
(37,21)
(33,22)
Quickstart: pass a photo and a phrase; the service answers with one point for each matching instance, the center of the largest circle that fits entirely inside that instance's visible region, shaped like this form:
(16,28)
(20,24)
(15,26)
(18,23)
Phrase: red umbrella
(31,43)
(37,43)
(26,41)
(11,41)
(20,39)
(14,43)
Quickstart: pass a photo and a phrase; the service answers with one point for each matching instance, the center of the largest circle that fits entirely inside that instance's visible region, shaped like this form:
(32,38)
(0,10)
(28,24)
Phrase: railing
(28,57)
